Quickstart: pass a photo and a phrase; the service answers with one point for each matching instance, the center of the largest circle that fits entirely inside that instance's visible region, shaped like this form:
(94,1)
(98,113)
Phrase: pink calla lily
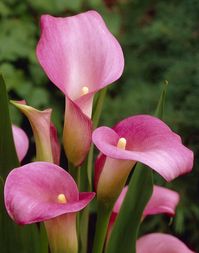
(80,56)
(45,134)
(163,200)
(42,191)
(21,142)
(140,138)
(161,243)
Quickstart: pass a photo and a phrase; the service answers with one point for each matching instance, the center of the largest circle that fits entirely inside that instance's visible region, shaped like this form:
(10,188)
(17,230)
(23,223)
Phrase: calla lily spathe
(44,192)
(21,142)
(141,138)
(163,200)
(45,134)
(80,56)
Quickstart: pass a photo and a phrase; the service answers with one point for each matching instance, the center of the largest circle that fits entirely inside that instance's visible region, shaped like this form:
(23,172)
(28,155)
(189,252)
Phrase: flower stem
(103,216)
(75,173)
(86,175)
(83,232)
(99,106)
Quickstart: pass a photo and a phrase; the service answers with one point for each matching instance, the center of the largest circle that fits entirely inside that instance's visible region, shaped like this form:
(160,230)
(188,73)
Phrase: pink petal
(31,193)
(162,201)
(21,142)
(79,51)
(77,133)
(56,149)
(99,165)
(161,243)
(120,200)
(150,141)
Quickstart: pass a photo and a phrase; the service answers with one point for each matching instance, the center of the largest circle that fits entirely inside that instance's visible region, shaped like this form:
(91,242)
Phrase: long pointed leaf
(8,155)
(161,103)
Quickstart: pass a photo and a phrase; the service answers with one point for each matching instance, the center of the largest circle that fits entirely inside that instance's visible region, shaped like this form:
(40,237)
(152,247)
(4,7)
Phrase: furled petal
(21,142)
(79,51)
(45,134)
(31,193)
(77,133)
(150,141)
(56,149)
(162,200)
(161,243)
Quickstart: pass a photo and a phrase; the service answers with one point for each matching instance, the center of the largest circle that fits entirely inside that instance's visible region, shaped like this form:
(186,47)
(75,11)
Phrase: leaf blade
(8,155)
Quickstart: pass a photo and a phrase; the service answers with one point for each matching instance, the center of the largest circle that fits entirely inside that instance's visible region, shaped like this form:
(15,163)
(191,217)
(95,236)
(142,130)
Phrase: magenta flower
(21,142)
(161,243)
(80,56)
(42,191)
(162,201)
(141,138)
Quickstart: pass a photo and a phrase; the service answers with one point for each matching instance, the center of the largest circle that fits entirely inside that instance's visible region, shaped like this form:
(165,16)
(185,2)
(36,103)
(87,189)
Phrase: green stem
(83,235)
(75,173)
(99,106)
(43,239)
(90,167)
(85,185)
(103,216)
(86,176)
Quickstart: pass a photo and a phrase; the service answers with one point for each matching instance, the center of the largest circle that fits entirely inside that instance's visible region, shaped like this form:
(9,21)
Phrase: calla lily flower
(161,243)
(45,134)
(141,138)
(21,142)
(42,191)
(162,201)
(80,56)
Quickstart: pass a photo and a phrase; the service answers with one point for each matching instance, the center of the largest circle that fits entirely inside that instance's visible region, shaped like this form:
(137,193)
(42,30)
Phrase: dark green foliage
(160,40)
(8,155)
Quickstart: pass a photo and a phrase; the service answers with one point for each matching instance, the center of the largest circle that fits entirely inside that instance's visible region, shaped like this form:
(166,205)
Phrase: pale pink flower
(80,56)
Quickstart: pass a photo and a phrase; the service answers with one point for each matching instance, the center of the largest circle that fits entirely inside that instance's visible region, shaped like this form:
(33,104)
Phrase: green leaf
(13,238)
(161,103)
(125,230)
(8,155)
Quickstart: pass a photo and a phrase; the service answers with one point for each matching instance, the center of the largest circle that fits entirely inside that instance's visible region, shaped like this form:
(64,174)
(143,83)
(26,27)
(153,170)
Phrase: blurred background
(160,40)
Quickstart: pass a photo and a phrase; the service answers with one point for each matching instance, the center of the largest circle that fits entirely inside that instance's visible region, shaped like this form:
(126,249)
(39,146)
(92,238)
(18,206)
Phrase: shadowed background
(160,40)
